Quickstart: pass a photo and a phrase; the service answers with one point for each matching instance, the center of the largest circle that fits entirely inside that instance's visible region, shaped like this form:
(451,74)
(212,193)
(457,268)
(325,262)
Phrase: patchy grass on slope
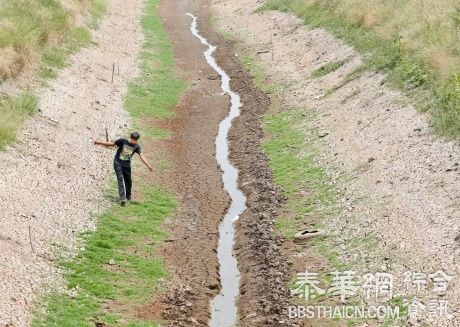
(13,111)
(415,44)
(36,35)
(119,269)
(292,154)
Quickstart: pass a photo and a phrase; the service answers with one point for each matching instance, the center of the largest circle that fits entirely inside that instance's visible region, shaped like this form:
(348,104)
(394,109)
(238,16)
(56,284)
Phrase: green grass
(79,38)
(292,147)
(430,89)
(156,133)
(35,29)
(356,73)
(27,27)
(13,111)
(74,38)
(256,72)
(98,9)
(127,235)
(155,96)
(53,59)
(34,34)
(292,155)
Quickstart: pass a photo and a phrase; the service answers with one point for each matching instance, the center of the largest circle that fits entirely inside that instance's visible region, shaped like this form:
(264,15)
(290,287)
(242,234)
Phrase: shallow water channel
(223,306)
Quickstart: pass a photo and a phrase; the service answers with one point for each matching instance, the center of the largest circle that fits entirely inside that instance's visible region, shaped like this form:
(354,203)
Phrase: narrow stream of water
(223,306)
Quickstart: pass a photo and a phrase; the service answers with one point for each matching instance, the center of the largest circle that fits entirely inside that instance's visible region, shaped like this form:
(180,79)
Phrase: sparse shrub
(36,36)
(13,111)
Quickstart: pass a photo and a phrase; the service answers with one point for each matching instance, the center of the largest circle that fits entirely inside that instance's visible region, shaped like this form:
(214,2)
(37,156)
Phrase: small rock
(306,235)
(111,262)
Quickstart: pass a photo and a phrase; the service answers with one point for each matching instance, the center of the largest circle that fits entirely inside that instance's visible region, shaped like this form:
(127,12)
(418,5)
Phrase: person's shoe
(123,202)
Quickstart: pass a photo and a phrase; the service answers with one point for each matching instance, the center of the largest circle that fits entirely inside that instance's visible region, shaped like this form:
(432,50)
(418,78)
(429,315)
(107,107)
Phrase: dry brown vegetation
(429,29)
(416,42)
(29,27)
(36,36)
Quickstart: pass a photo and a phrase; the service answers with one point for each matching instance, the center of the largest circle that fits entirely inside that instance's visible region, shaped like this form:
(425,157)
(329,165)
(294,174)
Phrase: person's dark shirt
(125,152)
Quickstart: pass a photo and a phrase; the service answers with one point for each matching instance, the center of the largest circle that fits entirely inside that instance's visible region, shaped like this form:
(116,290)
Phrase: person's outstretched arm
(104,143)
(146,162)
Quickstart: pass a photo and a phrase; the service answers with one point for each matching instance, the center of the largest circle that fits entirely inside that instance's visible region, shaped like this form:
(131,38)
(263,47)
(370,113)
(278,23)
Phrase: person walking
(122,163)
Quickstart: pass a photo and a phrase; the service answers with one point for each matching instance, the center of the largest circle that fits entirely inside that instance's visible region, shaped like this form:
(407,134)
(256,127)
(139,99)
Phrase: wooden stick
(30,240)
(113,71)
(273,48)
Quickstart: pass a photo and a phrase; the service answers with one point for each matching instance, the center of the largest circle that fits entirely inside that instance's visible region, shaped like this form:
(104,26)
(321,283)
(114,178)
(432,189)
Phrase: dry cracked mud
(402,181)
(196,180)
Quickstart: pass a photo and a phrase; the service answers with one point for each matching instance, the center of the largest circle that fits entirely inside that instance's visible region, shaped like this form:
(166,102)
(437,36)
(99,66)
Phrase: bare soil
(54,179)
(396,180)
(190,254)
(68,170)
(402,182)
(195,179)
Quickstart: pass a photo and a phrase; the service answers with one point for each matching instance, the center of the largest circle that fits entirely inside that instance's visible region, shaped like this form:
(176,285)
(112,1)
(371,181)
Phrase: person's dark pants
(124,180)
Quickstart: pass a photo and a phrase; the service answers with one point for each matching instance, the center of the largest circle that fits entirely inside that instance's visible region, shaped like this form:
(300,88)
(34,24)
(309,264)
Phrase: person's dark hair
(135,135)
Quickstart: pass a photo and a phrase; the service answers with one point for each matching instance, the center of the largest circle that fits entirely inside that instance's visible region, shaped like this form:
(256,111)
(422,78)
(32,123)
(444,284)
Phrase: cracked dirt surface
(54,179)
(190,254)
(195,178)
(402,181)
